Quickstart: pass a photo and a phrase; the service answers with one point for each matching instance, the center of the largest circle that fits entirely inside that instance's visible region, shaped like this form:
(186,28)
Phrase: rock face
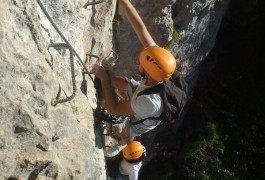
(38,140)
(198,23)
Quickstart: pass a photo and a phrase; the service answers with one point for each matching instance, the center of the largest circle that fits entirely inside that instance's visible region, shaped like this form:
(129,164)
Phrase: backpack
(174,95)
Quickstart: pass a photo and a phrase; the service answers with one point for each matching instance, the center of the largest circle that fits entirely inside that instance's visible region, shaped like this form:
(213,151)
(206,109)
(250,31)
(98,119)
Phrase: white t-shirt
(131,169)
(125,168)
(144,106)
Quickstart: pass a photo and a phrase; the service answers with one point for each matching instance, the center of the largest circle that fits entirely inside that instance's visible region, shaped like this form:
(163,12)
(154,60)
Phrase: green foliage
(175,35)
(175,38)
(117,20)
(192,158)
(201,158)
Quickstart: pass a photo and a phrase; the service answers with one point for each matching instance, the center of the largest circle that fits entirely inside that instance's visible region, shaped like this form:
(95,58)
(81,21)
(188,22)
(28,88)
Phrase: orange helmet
(158,62)
(133,150)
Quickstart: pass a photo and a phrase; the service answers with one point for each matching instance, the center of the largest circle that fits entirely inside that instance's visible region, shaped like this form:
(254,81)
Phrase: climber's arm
(120,83)
(137,23)
(112,105)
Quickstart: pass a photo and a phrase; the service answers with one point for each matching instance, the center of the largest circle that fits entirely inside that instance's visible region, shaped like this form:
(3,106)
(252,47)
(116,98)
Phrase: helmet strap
(144,74)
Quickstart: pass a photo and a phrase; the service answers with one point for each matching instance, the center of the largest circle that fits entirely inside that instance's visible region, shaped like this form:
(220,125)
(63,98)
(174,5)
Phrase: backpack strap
(141,120)
(153,90)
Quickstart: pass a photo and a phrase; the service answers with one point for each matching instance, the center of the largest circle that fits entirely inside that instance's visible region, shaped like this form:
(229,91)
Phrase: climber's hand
(99,71)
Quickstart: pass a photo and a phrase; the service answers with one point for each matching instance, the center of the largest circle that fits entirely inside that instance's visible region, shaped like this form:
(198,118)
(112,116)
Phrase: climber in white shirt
(156,64)
(130,165)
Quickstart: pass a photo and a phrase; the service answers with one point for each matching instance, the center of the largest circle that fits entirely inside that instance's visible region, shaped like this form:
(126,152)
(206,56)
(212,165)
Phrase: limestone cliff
(38,140)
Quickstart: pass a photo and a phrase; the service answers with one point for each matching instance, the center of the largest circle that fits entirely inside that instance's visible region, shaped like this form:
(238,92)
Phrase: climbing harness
(101,114)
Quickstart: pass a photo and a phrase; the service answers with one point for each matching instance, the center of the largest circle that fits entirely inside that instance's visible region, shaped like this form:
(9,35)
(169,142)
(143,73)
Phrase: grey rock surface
(38,140)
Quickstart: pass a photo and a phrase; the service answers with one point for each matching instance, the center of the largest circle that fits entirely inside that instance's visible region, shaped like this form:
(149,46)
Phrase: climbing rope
(57,100)
(62,36)
(93,3)
(72,52)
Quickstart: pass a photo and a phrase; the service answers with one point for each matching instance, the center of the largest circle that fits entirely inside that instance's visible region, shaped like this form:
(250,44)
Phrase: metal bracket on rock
(56,101)
(72,52)
(107,64)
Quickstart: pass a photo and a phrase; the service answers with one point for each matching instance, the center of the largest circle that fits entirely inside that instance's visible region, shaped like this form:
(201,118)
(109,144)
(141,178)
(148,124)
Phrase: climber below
(129,165)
